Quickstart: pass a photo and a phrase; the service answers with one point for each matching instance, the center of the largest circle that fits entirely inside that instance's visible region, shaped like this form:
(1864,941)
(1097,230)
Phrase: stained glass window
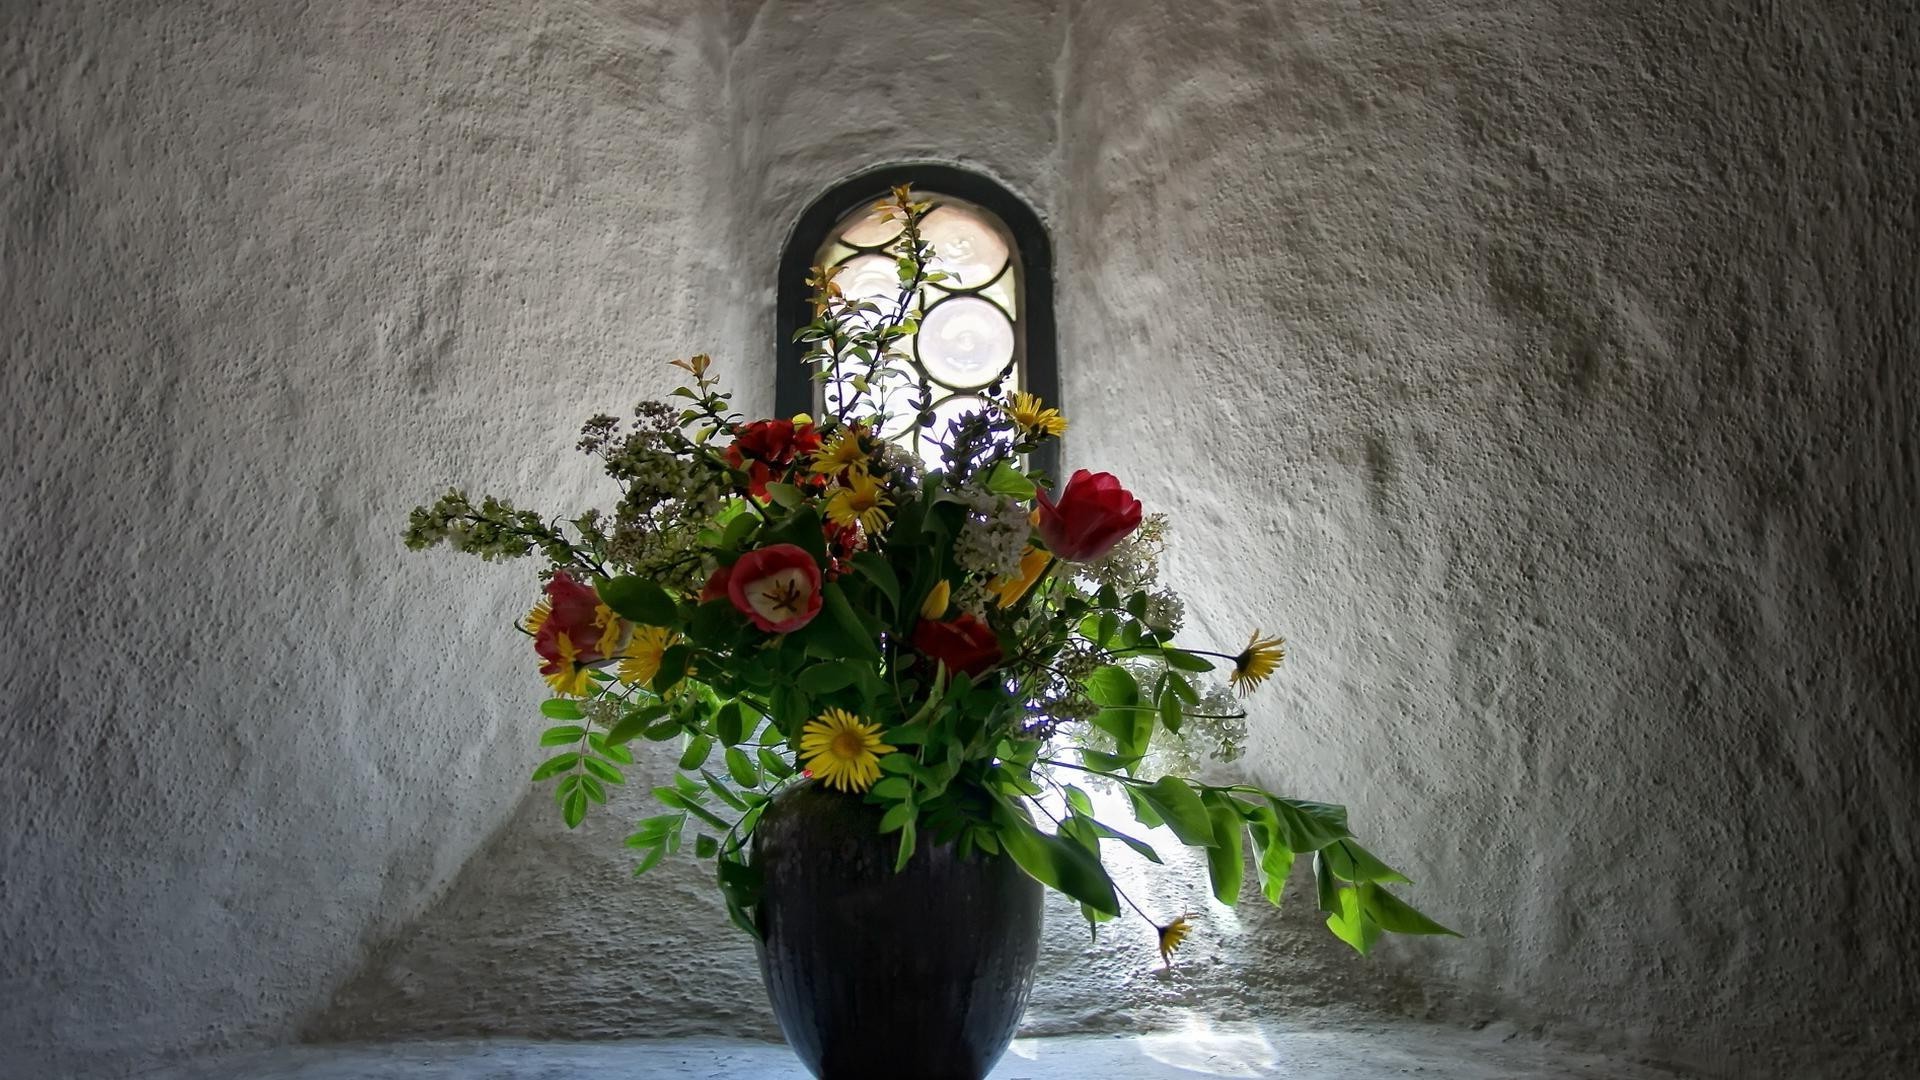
(978,326)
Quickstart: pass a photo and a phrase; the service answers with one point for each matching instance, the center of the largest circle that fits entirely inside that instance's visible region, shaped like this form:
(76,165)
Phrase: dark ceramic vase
(922,974)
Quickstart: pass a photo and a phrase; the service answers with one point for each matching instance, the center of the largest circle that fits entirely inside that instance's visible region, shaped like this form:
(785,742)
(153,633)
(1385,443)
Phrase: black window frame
(793,390)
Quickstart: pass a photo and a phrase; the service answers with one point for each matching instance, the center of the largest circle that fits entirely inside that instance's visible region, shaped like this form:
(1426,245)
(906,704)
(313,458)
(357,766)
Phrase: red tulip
(777,587)
(965,644)
(1093,514)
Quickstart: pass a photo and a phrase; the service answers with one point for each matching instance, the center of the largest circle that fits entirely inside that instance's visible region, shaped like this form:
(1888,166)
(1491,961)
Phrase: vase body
(922,974)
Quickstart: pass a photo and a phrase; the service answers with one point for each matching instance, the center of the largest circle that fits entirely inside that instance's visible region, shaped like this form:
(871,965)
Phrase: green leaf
(574,809)
(1055,861)
(1272,857)
(892,788)
(740,768)
(722,792)
(1351,862)
(828,676)
(602,770)
(785,495)
(1183,688)
(897,816)
(907,844)
(738,531)
(554,765)
(1004,479)
(1309,826)
(650,860)
(635,722)
(852,634)
(1078,801)
(1140,847)
(876,569)
(673,667)
(1350,922)
(1226,863)
(1185,661)
(1143,811)
(1395,915)
(696,753)
(1113,685)
(605,749)
(639,600)
(730,724)
(705,847)
(1182,811)
(594,789)
(561,709)
(897,764)
(740,886)
(562,736)
(656,829)
(776,766)
(1170,714)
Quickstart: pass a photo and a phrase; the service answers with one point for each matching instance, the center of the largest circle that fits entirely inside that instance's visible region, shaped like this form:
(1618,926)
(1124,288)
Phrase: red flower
(965,644)
(1093,514)
(572,629)
(776,442)
(716,586)
(777,587)
(766,449)
(842,542)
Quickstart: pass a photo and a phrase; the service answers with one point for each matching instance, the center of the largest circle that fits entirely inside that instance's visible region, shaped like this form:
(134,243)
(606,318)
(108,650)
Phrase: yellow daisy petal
(1256,662)
(841,752)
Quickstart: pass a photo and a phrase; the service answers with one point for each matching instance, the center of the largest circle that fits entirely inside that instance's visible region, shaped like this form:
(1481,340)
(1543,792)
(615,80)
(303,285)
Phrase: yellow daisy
(1011,589)
(843,454)
(841,752)
(538,616)
(859,499)
(641,660)
(1035,419)
(565,673)
(1256,662)
(610,629)
(1171,935)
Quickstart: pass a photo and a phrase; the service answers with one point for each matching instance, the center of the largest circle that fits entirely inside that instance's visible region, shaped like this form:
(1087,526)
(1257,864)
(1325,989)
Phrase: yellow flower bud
(935,604)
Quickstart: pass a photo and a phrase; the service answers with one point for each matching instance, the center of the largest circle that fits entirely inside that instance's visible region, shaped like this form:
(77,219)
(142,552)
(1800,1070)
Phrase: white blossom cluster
(993,537)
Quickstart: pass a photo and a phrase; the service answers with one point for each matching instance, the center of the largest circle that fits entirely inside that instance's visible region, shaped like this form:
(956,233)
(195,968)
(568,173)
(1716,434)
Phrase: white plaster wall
(269,275)
(1554,365)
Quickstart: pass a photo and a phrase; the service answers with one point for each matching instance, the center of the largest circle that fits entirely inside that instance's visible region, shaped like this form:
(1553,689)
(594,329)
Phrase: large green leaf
(1395,915)
(639,599)
(1055,861)
(1272,857)
(634,723)
(1309,826)
(1182,811)
(1351,862)
(1226,864)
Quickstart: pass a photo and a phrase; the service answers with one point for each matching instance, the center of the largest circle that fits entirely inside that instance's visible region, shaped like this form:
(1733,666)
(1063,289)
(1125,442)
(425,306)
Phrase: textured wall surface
(272,274)
(1555,368)
(1555,365)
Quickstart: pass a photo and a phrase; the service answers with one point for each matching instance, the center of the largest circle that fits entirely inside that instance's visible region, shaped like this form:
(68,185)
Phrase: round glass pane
(965,342)
(867,229)
(964,245)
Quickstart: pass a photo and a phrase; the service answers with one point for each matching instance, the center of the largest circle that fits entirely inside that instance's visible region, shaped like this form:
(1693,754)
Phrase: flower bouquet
(963,654)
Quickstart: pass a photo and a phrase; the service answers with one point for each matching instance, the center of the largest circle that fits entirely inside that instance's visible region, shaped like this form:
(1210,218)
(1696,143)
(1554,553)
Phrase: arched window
(991,322)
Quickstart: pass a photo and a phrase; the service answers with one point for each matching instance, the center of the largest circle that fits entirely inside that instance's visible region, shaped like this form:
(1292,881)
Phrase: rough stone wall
(272,273)
(1554,365)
